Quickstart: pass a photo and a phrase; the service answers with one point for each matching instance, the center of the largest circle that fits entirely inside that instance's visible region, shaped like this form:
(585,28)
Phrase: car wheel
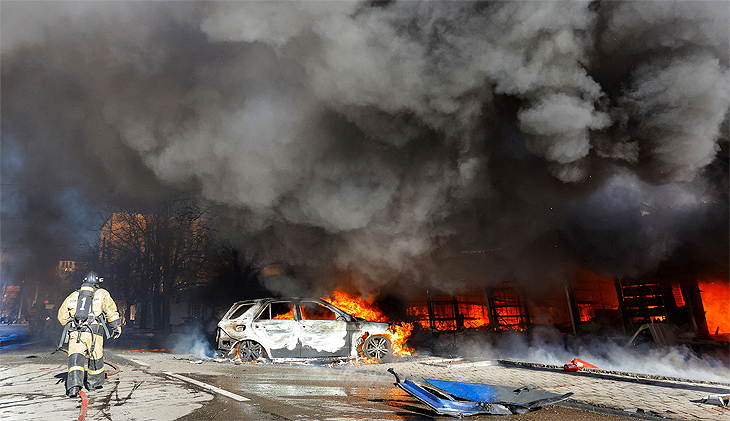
(377,346)
(249,350)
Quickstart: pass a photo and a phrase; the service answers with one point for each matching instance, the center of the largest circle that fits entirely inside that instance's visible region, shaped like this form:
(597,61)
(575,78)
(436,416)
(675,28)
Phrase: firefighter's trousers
(79,350)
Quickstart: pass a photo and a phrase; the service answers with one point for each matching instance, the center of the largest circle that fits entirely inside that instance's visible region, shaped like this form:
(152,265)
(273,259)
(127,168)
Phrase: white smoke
(195,343)
(546,345)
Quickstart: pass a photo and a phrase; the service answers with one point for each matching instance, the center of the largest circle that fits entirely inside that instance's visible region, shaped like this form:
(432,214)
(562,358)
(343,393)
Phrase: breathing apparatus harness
(84,320)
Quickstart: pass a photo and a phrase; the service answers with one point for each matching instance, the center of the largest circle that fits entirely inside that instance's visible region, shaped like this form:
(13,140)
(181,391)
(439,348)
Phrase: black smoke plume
(436,142)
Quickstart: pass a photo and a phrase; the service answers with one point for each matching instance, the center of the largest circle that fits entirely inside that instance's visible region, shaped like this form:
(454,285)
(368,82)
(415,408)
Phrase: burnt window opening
(595,296)
(443,315)
(316,311)
(442,311)
(280,310)
(642,302)
(508,307)
(241,310)
(473,309)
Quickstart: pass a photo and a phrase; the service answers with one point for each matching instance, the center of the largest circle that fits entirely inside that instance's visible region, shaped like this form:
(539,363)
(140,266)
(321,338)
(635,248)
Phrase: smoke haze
(382,139)
(546,345)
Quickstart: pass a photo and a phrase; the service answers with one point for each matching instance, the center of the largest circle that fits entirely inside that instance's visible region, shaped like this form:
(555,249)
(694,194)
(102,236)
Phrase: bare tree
(150,255)
(235,275)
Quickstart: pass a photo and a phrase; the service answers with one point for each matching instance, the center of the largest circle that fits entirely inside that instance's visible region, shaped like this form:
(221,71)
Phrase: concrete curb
(600,372)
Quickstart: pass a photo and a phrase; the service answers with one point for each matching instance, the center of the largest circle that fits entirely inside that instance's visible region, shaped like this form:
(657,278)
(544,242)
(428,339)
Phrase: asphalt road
(163,385)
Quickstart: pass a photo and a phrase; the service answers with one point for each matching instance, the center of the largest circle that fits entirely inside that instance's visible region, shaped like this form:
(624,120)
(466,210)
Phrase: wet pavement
(32,388)
(608,392)
(167,386)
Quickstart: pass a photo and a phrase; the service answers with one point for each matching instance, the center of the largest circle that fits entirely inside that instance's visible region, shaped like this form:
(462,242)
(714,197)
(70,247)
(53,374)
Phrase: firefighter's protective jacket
(83,329)
(103,303)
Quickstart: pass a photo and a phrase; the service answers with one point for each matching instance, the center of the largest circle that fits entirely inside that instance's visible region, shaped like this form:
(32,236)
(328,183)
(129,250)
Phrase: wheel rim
(249,351)
(376,348)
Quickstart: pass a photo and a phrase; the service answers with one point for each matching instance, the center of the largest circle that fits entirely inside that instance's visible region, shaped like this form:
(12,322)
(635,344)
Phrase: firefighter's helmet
(93,278)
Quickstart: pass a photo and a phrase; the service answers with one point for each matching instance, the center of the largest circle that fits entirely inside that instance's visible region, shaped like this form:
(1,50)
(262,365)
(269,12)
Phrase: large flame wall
(716,302)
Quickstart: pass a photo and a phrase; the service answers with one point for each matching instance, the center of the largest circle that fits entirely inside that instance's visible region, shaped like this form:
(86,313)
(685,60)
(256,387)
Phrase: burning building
(589,304)
(579,148)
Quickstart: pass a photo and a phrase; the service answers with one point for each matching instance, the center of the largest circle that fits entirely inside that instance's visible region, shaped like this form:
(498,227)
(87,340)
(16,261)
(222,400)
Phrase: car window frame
(334,310)
(268,304)
(338,312)
(237,306)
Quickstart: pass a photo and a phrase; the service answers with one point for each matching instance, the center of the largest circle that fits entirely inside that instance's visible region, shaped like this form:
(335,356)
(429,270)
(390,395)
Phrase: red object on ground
(575,364)
(116,368)
(84,404)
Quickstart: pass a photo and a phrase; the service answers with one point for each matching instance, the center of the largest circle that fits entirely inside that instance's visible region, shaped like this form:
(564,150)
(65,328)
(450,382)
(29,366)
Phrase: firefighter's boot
(73,392)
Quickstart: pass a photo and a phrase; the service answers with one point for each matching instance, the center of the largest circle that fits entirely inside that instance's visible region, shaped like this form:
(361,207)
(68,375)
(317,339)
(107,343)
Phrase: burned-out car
(298,328)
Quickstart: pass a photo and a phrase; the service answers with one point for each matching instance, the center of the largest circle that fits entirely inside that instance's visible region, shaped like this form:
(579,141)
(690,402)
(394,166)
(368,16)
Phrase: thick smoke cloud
(377,139)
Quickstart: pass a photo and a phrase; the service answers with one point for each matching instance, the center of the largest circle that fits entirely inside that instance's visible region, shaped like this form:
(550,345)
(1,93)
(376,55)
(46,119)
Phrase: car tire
(377,347)
(249,351)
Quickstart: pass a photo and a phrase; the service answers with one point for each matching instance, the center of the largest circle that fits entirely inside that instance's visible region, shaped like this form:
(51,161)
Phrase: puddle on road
(297,390)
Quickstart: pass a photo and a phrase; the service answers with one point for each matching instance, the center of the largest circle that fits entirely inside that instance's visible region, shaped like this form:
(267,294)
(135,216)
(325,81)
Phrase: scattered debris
(641,411)
(662,334)
(460,399)
(575,364)
(720,400)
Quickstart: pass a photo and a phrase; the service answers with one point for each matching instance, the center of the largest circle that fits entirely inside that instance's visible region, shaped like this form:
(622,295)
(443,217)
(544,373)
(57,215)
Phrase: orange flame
(285,316)
(474,316)
(716,302)
(355,306)
(143,350)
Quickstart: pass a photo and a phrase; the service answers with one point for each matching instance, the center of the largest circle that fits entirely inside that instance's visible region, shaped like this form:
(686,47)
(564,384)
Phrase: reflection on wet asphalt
(283,391)
(33,389)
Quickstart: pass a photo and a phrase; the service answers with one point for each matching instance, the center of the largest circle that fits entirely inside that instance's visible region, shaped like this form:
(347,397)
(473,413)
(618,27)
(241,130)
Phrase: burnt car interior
(280,310)
(311,310)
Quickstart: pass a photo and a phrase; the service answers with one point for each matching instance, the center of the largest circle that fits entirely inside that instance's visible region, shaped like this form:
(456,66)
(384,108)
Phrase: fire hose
(84,405)
(84,397)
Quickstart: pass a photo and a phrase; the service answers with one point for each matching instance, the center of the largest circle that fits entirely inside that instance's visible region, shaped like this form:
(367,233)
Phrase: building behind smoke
(429,121)
(70,272)
(144,254)
(587,304)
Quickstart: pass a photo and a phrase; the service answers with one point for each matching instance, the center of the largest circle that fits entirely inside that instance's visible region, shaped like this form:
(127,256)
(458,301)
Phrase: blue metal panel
(460,399)
(477,392)
(451,407)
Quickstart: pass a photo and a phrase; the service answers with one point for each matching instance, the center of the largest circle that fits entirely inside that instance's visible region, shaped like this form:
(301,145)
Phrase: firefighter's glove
(117,332)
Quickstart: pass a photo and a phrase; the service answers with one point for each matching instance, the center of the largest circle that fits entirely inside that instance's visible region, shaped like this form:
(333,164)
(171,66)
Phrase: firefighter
(84,314)
(35,319)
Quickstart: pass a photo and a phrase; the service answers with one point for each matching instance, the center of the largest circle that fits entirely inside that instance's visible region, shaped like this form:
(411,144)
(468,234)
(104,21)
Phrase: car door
(323,332)
(232,325)
(277,330)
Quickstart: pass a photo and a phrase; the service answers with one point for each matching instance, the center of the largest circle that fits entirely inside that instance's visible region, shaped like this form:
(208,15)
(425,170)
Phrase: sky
(440,144)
